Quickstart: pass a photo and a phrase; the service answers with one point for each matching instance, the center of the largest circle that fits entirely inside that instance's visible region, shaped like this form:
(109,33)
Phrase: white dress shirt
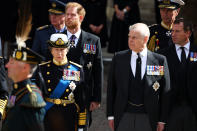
(179,50)
(77,34)
(143,56)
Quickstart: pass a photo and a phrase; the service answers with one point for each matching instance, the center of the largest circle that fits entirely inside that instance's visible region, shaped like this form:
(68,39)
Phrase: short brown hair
(187,25)
(80,8)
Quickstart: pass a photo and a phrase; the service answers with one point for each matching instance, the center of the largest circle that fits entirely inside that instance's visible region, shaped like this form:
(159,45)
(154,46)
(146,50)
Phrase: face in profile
(73,19)
(59,54)
(14,68)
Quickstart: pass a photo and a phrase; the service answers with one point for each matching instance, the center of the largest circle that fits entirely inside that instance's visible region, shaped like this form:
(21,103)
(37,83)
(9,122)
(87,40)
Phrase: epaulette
(32,98)
(42,27)
(44,63)
(1,57)
(80,66)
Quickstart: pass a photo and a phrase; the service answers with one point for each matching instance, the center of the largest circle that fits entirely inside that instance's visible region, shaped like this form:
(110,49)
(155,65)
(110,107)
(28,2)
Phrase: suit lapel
(126,69)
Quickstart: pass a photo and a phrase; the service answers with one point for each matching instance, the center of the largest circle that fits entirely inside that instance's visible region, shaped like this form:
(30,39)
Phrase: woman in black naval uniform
(65,110)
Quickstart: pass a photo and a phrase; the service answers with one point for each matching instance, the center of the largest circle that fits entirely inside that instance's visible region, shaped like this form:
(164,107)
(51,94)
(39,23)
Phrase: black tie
(183,56)
(72,40)
(138,68)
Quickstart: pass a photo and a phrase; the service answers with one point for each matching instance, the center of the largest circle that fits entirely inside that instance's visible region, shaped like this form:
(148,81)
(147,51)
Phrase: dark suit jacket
(94,75)
(191,71)
(156,102)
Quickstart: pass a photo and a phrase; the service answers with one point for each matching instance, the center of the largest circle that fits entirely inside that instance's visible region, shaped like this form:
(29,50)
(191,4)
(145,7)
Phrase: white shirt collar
(77,34)
(62,30)
(142,53)
(186,46)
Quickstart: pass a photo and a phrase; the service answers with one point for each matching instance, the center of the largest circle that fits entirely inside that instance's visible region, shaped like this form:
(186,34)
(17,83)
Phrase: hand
(92,27)
(111,124)
(120,15)
(94,105)
(99,28)
(160,126)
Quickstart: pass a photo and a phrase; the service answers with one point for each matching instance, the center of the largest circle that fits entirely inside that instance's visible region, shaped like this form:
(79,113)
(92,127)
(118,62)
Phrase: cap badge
(59,42)
(19,55)
(166,1)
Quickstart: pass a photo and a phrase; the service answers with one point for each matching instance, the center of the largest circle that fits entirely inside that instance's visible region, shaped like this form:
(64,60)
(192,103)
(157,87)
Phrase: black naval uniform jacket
(3,88)
(188,92)
(42,35)
(88,54)
(160,37)
(25,109)
(71,74)
(156,98)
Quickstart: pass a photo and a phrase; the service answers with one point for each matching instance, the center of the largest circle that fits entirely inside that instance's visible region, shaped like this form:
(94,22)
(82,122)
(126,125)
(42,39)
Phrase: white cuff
(110,117)
(80,129)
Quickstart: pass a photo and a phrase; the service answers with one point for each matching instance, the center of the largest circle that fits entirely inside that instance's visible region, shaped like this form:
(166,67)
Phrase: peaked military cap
(171,4)
(26,55)
(59,40)
(57,7)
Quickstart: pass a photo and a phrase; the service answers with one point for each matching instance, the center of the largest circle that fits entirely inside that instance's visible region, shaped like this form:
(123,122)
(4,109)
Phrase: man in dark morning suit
(160,34)
(181,57)
(85,50)
(138,86)
(43,33)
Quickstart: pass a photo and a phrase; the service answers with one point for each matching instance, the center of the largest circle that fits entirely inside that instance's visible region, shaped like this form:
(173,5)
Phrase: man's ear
(146,39)
(81,18)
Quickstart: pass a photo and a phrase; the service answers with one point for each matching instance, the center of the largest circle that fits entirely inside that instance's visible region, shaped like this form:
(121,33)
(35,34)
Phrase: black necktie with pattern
(72,40)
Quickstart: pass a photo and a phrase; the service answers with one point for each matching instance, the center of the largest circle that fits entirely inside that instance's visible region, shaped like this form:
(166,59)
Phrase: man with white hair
(160,34)
(138,86)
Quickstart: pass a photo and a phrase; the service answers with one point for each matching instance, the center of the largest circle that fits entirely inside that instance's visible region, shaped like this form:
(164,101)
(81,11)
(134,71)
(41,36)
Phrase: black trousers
(134,122)
(182,118)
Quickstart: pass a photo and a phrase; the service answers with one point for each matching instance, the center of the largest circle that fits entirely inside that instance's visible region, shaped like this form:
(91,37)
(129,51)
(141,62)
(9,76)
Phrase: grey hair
(141,28)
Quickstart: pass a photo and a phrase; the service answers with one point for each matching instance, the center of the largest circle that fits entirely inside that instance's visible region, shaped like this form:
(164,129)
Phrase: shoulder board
(153,25)
(80,66)
(42,27)
(1,57)
(44,63)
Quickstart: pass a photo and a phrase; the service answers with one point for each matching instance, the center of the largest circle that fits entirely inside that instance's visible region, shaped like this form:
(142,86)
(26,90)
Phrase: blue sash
(60,88)
(57,93)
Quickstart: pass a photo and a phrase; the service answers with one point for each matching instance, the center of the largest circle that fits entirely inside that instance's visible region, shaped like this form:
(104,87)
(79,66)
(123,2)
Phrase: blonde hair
(80,8)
